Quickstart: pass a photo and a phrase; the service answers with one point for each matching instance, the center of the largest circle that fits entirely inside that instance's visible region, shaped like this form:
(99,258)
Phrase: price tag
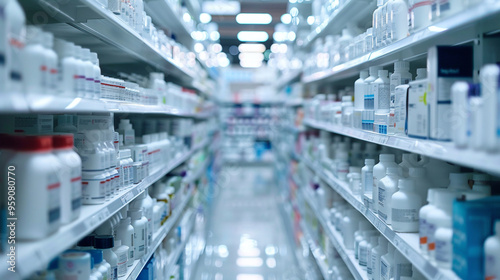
(127,197)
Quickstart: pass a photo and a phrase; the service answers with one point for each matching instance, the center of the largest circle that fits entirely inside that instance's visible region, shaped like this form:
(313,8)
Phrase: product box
(473,222)
(401,109)
(445,65)
(94,122)
(418,111)
(27,124)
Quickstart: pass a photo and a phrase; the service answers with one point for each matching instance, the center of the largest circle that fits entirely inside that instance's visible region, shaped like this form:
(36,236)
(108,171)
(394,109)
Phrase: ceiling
(228,28)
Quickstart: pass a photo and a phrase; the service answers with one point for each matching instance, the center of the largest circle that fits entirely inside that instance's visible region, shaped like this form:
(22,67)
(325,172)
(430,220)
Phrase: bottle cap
(96,255)
(406,184)
(401,65)
(422,73)
(48,40)
(369,161)
(34,35)
(94,59)
(31,143)
(459,181)
(443,198)
(104,242)
(383,73)
(63,141)
(363,74)
(387,157)
(118,243)
(135,214)
(374,70)
(87,241)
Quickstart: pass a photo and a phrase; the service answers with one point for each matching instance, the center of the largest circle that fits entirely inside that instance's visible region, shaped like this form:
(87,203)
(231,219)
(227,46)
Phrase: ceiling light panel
(252,36)
(254,18)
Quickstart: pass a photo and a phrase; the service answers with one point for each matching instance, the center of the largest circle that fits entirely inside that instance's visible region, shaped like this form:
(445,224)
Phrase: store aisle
(247,238)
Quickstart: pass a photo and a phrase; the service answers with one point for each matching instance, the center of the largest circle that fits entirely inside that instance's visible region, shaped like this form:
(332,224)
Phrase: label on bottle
(490,267)
(367,181)
(369,101)
(93,189)
(381,196)
(54,198)
(431,230)
(374,265)
(385,270)
(404,215)
(76,188)
(443,251)
(444,6)
(403,270)
(114,272)
(16,45)
(422,232)
(122,264)
(363,252)
(382,94)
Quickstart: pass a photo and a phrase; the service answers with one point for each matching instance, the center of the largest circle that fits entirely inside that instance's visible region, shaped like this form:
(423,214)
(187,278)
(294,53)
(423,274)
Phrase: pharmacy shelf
(134,271)
(164,16)
(65,105)
(481,160)
(347,255)
(316,251)
(172,261)
(406,243)
(457,29)
(89,23)
(294,102)
(352,11)
(288,78)
(35,255)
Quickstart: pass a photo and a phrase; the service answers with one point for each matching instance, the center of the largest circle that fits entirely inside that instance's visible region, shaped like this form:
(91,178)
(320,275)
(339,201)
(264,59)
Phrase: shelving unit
(318,254)
(135,270)
(37,254)
(180,247)
(446,151)
(406,243)
(352,11)
(456,29)
(163,14)
(336,239)
(88,23)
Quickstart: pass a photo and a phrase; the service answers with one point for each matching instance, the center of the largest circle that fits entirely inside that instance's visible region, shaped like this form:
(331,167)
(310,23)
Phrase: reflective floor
(247,238)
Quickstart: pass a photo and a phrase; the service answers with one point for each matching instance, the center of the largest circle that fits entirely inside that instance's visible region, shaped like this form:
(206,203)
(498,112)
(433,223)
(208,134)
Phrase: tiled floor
(247,239)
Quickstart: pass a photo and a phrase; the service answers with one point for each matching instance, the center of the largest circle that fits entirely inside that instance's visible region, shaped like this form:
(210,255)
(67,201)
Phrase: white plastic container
(68,68)
(377,25)
(381,90)
(15,20)
(71,177)
(359,96)
(420,14)
(492,254)
(387,186)
(490,86)
(441,216)
(379,171)
(89,85)
(376,254)
(121,252)
(125,129)
(97,75)
(369,100)
(403,269)
(38,187)
(100,264)
(423,225)
(80,71)
(125,233)
(74,265)
(401,75)
(93,187)
(408,161)
(51,75)
(422,184)
(371,245)
(400,110)
(460,113)
(350,224)
(405,207)
(139,222)
(367,181)
(387,263)
(347,110)
(363,247)
(398,18)
(106,244)
(34,64)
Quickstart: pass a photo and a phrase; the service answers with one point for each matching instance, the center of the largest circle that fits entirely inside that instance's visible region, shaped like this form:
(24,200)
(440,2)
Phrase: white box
(418,111)
(27,124)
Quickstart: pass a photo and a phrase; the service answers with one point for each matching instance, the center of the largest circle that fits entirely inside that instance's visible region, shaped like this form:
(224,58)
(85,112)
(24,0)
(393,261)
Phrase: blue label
(76,203)
(16,76)
(2,59)
(54,214)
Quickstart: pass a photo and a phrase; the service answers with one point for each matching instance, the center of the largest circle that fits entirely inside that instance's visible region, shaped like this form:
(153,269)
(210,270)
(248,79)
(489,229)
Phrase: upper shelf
(163,14)
(288,78)
(352,11)
(88,23)
(481,160)
(462,27)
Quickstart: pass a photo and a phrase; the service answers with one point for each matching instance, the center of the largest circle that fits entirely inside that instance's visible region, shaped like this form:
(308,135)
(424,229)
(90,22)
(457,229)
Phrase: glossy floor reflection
(246,238)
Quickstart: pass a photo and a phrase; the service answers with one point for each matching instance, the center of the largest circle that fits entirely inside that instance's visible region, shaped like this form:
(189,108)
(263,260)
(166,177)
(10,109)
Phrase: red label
(43,68)
(423,240)
(54,186)
(76,179)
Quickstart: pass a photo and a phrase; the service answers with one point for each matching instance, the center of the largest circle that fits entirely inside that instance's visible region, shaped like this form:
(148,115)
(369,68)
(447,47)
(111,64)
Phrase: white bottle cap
(94,59)
(48,40)
(363,74)
(416,172)
(369,161)
(118,243)
(135,214)
(387,157)
(431,195)
(392,170)
(346,98)
(78,52)
(401,65)
(383,73)
(34,35)
(459,180)
(405,184)
(374,70)
(422,73)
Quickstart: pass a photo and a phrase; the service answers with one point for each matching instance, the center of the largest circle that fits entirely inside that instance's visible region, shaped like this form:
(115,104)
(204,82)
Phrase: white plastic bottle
(423,225)
(15,21)
(34,67)
(367,181)
(387,263)
(376,254)
(377,25)
(106,244)
(125,129)
(80,78)
(125,233)
(403,269)
(401,75)
(97,75)
(38,185)
(71,177)
(490,84)
(359,96)
(400,109)
(363,247)
(145,203)
(369,100)
(350,222)
(492,254)
(371,245)
(121,252)
(460,98)
(420,14)
(405,206)
(100,264)
(74,265)
(440,217)
(139,222)
(51,75)
(89,84)
(68,68)
(398,18)
(381,90)
(422,184)
(347,110)
(387,186)
(379,171)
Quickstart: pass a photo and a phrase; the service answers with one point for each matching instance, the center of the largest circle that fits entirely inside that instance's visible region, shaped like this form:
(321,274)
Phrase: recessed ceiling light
(286,18)
(254,18)
(245,48)
(252,36)
(205,18)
